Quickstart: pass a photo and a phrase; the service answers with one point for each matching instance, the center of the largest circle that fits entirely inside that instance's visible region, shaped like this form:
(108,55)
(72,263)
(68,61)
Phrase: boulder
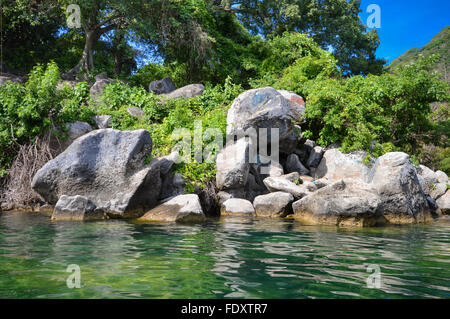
(343,203)
(76,208)
(4,78)
(180,209)
(304,150)
(107,167)
(263,108)
(443,203)
(276,204)
(280,184)
(232,165)
(293,164)
(441,176)
(237,207)
(266,167)
(136,112)
(187,91)
(336,166)
(427,178)
(163,86)
(101,80)
(102,121)
(395,181)
(438,190)
(315,157)
(297,99)
(73,131)
(171,186)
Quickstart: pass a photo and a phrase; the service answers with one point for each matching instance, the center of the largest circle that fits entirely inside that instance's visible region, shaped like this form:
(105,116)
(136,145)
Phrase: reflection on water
(228,258)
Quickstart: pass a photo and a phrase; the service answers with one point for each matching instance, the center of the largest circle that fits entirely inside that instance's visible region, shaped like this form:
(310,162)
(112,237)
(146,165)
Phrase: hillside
(438,45)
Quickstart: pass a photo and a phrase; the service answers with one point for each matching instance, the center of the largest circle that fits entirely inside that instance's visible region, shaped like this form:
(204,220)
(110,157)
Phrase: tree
(333,24)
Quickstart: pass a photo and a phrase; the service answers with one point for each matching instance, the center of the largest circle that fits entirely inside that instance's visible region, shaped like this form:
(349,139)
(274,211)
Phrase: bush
(28,110)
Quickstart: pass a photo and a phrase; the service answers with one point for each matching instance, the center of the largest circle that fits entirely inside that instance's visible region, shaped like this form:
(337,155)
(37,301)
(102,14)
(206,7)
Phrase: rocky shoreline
(106,173)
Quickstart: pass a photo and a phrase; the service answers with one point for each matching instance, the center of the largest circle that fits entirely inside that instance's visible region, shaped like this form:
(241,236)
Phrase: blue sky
(406,24)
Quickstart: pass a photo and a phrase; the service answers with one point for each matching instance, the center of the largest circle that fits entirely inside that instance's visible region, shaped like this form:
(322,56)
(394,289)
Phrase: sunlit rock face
(108,168)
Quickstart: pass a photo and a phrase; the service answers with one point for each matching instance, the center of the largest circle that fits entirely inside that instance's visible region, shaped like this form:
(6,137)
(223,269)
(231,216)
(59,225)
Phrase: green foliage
(27,110)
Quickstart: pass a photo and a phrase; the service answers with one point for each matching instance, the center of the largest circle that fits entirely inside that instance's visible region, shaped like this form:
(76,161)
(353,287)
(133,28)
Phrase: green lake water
(227,258)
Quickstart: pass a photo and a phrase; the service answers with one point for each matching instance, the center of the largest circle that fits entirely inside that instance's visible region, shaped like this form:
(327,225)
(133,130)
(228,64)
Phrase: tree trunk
(87,58)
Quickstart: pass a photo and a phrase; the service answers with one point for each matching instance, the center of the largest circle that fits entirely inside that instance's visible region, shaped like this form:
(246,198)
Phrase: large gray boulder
(443,203)
(180,209)
(343,203)
(264,108)
(66,138)
(107,167)
(336,166)
(232,165)
(76,208)
(276,204)
(164,86)
(188,91)
(297,99)
(237,207)
(395,181)
(427,178)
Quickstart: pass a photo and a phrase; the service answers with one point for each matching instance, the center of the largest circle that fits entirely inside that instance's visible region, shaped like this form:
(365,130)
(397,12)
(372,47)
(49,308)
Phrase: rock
(136,112)
(180,209)
(438,190)
(336,166)
(163,86)
(61,84)
(232,165)
(267,167)
(172,185)
(76,208)
(427,178)
(187,91)
(237,207)
(4,78)
(321,183)
(276,184)
(297,99)
(166,162)
(107,167)
(293,164)
(343,203)
(304,150)
(315,156)
(289,144)
(223,196)
(273,205)
(263,108)
(73,131)
(102,121)
(292,177)
(441,176)
(443,203)
(306,178)
(432,204)
(101,80)
(395,180)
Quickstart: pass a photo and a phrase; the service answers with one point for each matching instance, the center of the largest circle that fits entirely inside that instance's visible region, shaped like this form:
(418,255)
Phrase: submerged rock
(276,204)
(107,167)
(76,208)
(237,207)
(180,209)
